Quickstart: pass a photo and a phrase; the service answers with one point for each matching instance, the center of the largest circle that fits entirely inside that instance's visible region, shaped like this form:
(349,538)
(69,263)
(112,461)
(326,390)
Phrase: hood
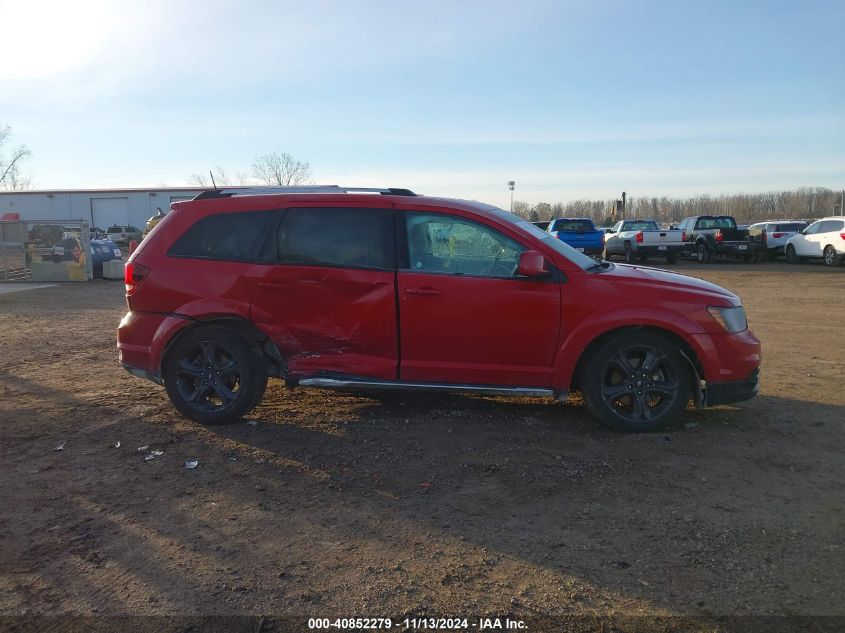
(667,280)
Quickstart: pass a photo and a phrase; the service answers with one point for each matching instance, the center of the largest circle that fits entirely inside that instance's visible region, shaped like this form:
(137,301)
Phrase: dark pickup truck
(709,235)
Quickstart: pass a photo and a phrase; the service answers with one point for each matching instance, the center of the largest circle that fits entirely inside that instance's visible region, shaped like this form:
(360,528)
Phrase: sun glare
(49,37)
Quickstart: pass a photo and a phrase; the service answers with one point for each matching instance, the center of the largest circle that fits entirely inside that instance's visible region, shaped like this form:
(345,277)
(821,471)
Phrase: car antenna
(214,184)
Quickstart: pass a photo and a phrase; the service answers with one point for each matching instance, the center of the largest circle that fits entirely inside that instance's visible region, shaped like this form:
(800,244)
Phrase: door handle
(422,291)
(274,285)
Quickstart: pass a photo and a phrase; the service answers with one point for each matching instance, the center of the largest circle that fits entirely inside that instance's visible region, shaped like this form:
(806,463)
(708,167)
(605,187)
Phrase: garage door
(106,212)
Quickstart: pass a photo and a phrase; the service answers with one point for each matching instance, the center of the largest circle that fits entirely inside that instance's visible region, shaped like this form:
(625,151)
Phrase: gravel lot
(382,505)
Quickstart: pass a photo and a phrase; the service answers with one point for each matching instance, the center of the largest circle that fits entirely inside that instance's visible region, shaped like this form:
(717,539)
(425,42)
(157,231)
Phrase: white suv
(824,238)
(775,233)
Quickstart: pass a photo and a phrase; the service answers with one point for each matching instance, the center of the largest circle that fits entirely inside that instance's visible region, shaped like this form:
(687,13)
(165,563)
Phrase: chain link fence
(49,250)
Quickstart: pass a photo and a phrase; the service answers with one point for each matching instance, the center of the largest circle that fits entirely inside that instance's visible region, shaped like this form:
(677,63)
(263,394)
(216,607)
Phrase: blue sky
(570,99)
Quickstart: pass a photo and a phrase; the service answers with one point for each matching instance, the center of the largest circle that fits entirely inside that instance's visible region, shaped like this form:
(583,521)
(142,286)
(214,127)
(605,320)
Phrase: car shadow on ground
(421,503)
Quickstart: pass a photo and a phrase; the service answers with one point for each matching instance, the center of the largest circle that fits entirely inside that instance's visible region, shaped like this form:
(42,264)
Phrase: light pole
(511,185)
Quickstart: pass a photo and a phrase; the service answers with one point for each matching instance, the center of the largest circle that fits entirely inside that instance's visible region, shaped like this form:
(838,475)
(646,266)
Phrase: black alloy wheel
(638,382)
(213,376)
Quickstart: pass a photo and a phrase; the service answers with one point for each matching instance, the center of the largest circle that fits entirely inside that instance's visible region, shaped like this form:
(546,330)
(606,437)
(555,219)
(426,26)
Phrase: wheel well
(268,350)
(686,349)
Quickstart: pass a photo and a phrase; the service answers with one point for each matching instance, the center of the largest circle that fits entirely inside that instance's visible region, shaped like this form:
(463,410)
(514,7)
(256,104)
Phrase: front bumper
(727,392)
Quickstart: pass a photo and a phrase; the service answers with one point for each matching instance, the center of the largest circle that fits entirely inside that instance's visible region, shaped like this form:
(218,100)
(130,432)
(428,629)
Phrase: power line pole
(511,185)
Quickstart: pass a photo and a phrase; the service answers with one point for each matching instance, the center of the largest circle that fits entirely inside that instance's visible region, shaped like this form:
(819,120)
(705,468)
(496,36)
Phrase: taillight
(683,236)
(778,235)
(719,237)
(133,275)
(602,238)
(639,237)
(842,235)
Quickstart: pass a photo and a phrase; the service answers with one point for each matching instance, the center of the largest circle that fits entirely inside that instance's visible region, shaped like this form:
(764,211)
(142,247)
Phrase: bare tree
(11,176)
(221,179)
(281,170)
(521,208)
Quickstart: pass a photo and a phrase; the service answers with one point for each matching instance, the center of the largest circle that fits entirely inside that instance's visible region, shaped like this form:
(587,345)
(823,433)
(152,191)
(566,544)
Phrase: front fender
(579,339)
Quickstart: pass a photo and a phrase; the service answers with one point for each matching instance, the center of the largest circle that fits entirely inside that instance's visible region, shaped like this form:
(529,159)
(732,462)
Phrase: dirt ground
(329,504)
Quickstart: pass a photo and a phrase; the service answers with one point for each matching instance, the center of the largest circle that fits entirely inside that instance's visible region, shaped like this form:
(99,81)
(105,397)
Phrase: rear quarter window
(227,236)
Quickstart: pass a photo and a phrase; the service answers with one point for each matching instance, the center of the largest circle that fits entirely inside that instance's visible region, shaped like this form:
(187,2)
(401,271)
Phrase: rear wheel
(630,258)
(703,253)
(791,255)
(213,376)
(636,382)
(830,256)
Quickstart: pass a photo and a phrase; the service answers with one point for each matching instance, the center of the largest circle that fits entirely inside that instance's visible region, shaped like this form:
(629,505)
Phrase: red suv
(328,287)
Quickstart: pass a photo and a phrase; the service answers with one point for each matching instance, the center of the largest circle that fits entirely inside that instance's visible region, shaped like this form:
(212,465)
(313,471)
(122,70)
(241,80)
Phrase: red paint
(413,325)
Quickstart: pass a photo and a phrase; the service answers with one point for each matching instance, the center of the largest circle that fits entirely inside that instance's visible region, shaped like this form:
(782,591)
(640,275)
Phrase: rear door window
(337,237)
(226,236)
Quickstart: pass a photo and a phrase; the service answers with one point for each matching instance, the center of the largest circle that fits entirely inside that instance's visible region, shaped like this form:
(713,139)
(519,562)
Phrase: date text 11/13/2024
(418,623)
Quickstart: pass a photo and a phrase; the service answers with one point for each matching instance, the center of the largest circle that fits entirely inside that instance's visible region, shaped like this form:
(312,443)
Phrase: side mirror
(531,265)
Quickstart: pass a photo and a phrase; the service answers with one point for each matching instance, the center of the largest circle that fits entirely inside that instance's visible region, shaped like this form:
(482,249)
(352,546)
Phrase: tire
(643,259)
(211,356)
(703,253)
(791,255)
(830,257)
(630,257)
(672,259)
(613,396)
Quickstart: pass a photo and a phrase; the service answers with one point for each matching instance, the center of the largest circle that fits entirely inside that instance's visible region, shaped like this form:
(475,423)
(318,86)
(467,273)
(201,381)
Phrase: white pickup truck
(637,240)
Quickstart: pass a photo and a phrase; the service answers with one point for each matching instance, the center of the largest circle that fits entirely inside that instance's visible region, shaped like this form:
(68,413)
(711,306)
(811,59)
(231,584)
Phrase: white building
(99,207)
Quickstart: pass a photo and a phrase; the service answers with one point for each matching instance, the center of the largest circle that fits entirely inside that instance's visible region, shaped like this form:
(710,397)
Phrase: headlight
(732,319)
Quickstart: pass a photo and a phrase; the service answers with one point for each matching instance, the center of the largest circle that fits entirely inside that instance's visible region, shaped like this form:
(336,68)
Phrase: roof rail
(258,191)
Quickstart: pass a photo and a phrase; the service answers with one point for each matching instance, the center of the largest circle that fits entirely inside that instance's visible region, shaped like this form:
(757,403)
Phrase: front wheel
(791,255)
(830,256)
(213,376)
(636,382)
